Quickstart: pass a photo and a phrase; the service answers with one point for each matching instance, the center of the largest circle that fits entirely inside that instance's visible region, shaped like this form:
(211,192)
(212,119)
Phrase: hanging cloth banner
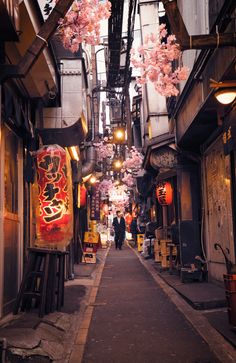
(229,135)
(95,204)
(54,211)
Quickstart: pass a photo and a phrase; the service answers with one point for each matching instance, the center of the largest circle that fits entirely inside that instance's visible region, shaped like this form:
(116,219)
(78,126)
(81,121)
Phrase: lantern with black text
(54,212)
(164,193)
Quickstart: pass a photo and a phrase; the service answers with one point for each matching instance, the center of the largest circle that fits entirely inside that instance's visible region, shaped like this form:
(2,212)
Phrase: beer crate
(158,256)
(140,239)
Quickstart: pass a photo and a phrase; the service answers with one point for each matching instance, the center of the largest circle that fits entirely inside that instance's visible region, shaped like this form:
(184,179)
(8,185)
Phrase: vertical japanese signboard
(95,204)
(54,212)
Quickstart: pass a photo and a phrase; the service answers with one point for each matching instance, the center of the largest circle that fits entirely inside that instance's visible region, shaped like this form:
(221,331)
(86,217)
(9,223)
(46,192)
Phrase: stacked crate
(157,250)
(140,239)
(164,253)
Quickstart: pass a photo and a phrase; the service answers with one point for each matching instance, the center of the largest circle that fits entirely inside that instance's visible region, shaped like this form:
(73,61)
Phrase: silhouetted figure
(134,229)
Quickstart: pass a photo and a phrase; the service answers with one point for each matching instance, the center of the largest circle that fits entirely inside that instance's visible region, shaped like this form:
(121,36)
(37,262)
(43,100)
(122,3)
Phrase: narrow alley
(135,322)
(117,181)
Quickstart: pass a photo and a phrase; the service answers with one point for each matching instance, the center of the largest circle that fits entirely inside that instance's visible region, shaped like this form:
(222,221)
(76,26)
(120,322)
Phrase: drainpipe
(89,166)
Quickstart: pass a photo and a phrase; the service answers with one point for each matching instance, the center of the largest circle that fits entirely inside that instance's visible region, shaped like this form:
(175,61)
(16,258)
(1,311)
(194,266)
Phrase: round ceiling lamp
(226,95)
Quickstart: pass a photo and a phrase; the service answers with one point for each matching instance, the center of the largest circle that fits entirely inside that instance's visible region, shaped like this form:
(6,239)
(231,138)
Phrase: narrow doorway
(11,219)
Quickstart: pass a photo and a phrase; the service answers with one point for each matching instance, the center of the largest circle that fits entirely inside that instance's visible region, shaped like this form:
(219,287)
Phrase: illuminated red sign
(54,216)
(164,193)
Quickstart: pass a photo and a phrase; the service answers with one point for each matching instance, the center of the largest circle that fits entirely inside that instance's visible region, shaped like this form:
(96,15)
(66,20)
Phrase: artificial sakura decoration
(155,60)
(133,162)
(104,150)
(118,196)
(82,23)
(104,186)
(128,179)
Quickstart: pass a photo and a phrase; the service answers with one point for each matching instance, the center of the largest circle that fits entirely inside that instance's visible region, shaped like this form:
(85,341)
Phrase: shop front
(11,217)
(219,199)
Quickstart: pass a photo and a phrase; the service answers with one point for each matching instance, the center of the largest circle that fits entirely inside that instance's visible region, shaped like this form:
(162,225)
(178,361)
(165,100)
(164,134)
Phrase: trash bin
(230,292)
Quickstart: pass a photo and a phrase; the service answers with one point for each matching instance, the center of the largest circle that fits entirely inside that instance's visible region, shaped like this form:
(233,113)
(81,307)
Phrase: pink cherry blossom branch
(155,60)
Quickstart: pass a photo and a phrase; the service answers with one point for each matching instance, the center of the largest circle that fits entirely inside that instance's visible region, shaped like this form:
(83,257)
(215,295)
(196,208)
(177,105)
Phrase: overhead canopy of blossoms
(128,179)
(155,60)
(134,161)
(118,196)
(104,150)
(104,186)
(82,23)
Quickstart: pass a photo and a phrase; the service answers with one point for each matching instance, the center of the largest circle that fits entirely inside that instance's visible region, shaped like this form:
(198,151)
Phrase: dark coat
(119,228)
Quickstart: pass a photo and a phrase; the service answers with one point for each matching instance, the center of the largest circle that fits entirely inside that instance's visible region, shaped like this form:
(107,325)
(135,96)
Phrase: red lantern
(164,193)
(128,218)
(105,209)
(54,212)
(82,196)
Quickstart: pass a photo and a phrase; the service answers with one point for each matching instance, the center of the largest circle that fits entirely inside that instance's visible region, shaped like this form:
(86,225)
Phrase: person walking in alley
(119,228)
(134,230)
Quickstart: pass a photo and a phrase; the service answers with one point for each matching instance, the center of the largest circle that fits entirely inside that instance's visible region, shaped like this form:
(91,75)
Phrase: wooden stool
(43,281)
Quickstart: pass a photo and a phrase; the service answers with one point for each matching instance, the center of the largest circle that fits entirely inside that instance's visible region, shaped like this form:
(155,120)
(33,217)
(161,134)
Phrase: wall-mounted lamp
(225,91)
(74,152)
(86,178)
(93,179)
(226,96)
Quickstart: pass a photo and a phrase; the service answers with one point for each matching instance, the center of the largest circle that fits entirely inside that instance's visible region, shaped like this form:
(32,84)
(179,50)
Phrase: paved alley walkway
(135,322)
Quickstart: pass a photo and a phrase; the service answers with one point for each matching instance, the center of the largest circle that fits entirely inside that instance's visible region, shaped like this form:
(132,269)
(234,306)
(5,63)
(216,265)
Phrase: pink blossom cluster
(134,162)
(118,196)
(121,205)
(128,179)
(104,186)
(104,150)
(82,23)
(155,60)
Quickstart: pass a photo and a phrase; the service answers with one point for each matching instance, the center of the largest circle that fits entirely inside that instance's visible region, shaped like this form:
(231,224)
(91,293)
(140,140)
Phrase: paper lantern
(164,193)
(54,213)
(82,195)
(105,209)
(128,218)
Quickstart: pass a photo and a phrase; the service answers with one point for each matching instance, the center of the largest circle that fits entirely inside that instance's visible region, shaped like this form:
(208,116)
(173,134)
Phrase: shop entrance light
(226,96)
(74,152)
(225,91)
(93,179)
